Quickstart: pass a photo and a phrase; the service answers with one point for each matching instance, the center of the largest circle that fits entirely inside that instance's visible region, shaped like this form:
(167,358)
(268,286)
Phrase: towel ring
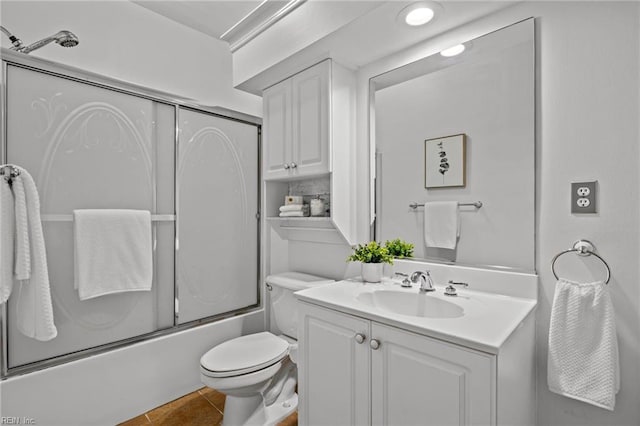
(583,248)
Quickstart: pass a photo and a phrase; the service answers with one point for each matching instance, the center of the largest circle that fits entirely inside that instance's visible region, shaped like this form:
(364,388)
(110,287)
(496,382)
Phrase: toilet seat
(244,355)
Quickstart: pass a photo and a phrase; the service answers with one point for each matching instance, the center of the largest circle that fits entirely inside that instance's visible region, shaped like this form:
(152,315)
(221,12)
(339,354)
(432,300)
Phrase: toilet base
(238,409)
(252,412)
(273,414)
(273,404)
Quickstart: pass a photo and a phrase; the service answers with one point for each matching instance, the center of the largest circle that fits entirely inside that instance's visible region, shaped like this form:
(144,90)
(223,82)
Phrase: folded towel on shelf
(441,224)
(7,232)
(583,348)
(34,310)
(113,252)
(294,207)
(295,214)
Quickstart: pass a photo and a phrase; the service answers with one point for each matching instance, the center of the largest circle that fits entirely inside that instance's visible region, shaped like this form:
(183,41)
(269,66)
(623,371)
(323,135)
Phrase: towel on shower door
(22,268)
(583,347)
(113,252)
(441,224)
(34,310)
(7,231)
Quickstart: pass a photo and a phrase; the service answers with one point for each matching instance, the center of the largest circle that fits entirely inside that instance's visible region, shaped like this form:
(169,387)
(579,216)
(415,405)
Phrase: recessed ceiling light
(453,51)
(419,13)
(419,16)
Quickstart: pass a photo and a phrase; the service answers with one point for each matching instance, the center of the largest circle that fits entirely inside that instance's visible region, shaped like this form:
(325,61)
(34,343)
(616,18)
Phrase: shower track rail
(13,58)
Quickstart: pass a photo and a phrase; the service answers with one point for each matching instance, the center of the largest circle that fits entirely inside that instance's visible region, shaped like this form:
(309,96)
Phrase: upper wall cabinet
(296,129)
(308,146)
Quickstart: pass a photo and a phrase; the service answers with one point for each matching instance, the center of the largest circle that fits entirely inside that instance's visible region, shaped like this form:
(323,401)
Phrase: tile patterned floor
(202,407)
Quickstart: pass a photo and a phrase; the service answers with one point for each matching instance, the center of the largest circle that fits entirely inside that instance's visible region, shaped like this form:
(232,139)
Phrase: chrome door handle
(286,166)
(294,165)
(375,344)
(360,338)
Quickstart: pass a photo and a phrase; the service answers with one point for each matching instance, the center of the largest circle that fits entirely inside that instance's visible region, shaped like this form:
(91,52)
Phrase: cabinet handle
(294,165)
(360,337)
(375,344)
(286,166)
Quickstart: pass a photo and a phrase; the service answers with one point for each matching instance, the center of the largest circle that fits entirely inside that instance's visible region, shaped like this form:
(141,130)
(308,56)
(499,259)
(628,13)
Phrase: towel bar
(69,217)
(476,204)
(583,248)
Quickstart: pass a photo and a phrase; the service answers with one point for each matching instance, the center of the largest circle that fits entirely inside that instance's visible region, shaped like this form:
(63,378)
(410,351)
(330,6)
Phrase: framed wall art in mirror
(444,162)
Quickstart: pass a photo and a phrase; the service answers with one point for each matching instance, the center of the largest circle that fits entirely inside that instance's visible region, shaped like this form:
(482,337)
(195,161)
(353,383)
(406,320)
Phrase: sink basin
(411,304)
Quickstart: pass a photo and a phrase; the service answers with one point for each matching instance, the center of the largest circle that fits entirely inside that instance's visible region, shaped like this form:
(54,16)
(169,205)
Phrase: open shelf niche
(311,228)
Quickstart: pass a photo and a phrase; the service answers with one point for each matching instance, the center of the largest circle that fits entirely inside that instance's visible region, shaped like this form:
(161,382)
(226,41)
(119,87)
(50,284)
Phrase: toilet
(257,372)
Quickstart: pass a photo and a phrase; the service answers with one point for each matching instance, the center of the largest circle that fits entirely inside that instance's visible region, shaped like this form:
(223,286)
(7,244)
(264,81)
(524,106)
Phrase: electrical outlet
(583,191)
(583,202)
(583,197)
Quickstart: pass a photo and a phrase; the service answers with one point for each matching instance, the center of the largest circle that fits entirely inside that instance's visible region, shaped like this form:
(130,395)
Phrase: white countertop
(487,322)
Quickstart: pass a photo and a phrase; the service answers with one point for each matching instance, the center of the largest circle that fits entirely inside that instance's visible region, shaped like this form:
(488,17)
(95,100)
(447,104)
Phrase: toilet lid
(245,354)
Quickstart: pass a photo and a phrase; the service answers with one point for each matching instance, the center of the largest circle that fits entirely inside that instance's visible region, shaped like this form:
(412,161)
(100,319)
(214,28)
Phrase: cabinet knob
(375,344)
(294,165)
(360,337)
(286,166)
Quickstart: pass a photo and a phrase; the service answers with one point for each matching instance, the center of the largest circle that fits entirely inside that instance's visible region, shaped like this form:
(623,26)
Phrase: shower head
(64,38)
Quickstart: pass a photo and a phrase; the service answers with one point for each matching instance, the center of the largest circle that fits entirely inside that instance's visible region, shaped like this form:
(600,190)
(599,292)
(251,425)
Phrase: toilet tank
(283,303)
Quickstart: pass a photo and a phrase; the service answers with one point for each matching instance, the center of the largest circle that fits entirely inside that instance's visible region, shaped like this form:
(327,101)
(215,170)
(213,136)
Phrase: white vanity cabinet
(358,372)
(296,124)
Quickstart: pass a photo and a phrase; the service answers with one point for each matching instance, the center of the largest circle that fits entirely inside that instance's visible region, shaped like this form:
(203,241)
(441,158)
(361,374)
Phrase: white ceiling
(369,37)
(377,28)
(211,17)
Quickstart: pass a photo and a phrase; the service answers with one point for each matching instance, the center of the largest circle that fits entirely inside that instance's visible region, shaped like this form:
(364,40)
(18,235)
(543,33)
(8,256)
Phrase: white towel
(294,214)
(113,252)
(441,224)
(22,268)
(34,310)
(294,208)
(583,348)
(7,231)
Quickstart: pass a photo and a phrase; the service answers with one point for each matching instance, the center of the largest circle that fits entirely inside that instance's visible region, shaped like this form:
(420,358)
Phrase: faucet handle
(450,290)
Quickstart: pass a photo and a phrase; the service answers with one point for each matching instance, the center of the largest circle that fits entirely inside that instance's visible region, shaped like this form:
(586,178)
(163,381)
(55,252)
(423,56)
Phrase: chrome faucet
(426,282)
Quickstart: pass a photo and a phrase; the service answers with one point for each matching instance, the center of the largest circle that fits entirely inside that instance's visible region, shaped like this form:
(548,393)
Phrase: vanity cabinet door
(333,367)
(416,380)
(276,104)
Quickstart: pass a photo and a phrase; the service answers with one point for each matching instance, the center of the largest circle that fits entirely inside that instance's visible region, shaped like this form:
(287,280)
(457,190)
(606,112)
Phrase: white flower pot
(372,272)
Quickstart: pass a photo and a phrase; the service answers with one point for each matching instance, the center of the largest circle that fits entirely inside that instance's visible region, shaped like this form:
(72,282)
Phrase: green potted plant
(399,249)
(372,256)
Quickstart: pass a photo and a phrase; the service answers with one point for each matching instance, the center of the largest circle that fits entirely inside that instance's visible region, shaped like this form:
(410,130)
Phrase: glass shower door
(87,146)
(217,206)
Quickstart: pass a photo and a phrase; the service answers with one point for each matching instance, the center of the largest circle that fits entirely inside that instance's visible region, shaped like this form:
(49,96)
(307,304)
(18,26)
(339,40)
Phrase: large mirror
(476,108)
